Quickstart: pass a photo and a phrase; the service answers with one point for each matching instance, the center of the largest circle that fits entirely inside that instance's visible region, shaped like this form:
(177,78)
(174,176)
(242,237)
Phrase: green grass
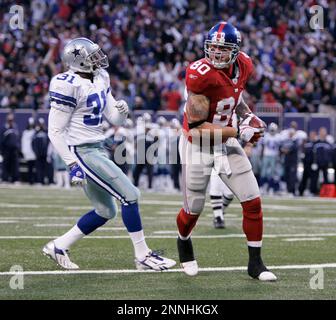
(26,212)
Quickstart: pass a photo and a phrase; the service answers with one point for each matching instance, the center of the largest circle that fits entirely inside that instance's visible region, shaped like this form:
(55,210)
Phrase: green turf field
(298,233)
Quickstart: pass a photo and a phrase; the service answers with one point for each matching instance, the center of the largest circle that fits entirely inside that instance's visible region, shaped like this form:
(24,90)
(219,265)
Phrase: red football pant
(252,219)
(185,223)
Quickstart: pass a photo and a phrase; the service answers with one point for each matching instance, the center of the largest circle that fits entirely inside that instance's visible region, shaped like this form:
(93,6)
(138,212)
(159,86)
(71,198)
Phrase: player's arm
(62,104)
(116,111)
(242,109)
(57,123)
(197,111)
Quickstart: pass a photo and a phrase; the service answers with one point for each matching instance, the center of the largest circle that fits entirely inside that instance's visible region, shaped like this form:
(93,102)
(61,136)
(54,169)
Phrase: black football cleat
(219,223)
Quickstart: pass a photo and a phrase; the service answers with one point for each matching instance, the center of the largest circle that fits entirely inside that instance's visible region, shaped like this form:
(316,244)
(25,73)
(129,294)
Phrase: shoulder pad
(198,76)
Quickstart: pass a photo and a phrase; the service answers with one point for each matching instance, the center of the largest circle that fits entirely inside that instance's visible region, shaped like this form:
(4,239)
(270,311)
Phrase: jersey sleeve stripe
(63,97)
(66,103)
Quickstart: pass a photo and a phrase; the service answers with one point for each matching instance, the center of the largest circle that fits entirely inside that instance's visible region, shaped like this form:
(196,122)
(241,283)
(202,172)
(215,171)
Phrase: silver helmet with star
(83,55)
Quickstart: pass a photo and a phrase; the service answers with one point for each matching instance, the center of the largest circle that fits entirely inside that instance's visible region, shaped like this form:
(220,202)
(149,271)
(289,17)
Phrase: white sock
(217,206)
(69,238)
(139,243)
(255,244)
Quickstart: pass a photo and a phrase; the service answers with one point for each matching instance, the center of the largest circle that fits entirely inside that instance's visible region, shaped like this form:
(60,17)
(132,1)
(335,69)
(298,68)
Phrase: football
(257,123)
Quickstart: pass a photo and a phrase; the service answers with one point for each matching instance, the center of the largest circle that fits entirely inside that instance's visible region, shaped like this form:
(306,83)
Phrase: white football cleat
(60,256)
(190,268)
(267,276)
(154,262)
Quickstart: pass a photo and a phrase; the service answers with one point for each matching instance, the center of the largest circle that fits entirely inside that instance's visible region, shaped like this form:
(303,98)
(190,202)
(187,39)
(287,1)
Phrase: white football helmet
(273,128)
(83,55)
(161,121)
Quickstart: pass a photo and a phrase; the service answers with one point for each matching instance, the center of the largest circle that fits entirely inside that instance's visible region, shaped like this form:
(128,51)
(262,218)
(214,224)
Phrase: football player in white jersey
(220,198)
(270,175)
(79,98)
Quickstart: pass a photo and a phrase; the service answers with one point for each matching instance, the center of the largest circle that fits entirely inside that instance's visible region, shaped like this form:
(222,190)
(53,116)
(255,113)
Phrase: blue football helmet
(222,45)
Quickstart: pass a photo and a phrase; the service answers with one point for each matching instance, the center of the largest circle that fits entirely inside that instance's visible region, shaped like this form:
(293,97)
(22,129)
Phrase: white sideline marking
(303,239)
(219,236)
(124,271)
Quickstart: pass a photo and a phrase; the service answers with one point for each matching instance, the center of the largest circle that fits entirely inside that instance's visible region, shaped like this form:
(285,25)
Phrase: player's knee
(133,194)
(107,212)
(196,196)
(252,208)
(196,203)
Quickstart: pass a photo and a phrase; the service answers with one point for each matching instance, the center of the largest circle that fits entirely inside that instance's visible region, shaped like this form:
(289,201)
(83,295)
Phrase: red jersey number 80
(202,68)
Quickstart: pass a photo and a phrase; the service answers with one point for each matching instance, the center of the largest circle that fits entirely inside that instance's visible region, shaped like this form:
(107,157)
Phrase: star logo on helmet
(76,52)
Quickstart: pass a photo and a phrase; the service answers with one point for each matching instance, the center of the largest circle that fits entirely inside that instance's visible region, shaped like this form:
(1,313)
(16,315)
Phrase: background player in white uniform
(220,198)
(79,98)
(270,172)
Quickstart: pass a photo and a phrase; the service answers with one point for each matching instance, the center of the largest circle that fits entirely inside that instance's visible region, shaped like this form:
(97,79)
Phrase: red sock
(185,223)
(253,219)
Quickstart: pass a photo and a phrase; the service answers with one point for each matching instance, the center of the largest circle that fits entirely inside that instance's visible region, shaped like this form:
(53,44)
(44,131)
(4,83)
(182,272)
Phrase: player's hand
(250,134)
(252,128)
(77,175)
(122,107)
(254,121)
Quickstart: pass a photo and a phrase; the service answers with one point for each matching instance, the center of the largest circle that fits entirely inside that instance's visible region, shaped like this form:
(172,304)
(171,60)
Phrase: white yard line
(221,236)
(128,271)
(233,217)
(8,221)
(39,218)
(39,225)
(315,210)
(112,229)
(71,224)
(38,206)
(303,239)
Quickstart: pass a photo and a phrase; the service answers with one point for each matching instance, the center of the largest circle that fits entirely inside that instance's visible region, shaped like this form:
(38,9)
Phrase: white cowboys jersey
(86,102)
(271,144)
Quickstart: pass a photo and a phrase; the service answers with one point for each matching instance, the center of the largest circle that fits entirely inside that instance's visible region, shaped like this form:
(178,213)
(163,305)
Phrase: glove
(252,128)
(122,107)
(77,175)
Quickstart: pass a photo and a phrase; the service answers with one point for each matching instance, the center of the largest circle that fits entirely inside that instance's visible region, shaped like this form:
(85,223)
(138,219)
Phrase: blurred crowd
(285,162)
(150,42)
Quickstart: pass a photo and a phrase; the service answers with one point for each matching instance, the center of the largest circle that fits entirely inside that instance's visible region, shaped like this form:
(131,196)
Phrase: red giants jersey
(223,92)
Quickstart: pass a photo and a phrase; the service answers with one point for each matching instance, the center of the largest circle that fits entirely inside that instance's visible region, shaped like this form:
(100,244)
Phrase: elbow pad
(195,124)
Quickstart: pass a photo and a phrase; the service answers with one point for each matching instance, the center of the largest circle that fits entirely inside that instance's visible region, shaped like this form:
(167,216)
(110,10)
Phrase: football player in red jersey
(214,87)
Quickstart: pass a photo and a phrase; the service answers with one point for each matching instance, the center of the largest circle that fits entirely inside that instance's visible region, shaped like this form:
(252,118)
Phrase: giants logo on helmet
(218,37)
